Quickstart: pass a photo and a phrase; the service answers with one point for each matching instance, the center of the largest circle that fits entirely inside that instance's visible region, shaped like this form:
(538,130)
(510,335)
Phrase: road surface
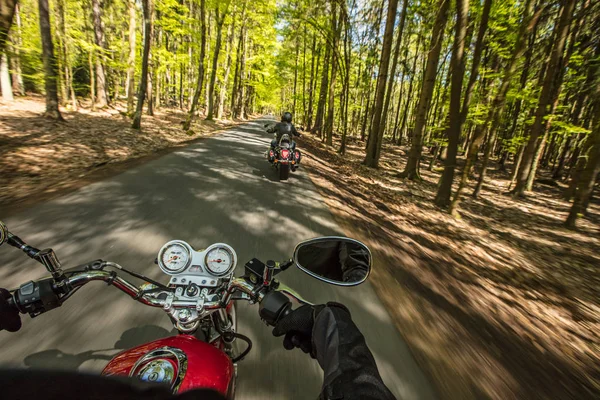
(218,190)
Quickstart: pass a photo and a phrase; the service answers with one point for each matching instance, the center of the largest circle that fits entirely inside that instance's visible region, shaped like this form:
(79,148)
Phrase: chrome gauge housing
(220,259)
(175,257)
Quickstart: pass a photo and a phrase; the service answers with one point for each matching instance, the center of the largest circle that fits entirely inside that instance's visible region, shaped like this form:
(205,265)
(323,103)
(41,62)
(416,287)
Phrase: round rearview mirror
(336,260)
(3,233)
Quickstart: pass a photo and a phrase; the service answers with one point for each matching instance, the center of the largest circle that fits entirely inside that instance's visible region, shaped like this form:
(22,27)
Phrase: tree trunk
(50,67)
(7,94)
(312,84)
(198,92)
(295,92)
(378,124)
(410,92)
(92,79)
(101,96)
(15,60)
(336,29)
(241,109)
(390,86)
(219,19)
(546,96)
(131,59)
(7,11)
(346,88)
(411,170)
(148,11)
(221,106)
(588,175)
(485,14)
(457,62)
(318,128)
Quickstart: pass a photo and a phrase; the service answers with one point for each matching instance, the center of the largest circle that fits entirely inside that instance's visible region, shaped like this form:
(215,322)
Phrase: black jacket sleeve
(294,131)
(350,371)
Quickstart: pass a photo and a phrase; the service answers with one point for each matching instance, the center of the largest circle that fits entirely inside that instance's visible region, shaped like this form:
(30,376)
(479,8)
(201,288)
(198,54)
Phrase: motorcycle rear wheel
(284,172)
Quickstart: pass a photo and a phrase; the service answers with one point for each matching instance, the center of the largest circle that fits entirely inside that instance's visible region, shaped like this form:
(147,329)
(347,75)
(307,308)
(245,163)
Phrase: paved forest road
(219,190)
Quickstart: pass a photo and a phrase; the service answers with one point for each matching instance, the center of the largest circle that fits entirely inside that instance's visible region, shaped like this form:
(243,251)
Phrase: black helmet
(286,117)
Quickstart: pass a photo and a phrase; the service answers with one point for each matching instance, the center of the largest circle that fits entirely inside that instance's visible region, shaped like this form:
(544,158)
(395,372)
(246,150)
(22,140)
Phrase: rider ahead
(282,128)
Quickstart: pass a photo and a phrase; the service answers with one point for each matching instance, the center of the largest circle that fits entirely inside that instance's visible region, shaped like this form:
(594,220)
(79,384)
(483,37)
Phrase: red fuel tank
(182,361)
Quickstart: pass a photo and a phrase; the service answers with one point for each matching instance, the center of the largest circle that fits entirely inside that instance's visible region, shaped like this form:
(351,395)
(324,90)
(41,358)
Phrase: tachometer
(220,260)
(174,257)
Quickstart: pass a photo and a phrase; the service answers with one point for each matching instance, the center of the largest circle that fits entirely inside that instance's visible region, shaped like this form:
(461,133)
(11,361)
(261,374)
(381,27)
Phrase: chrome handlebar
(237,284)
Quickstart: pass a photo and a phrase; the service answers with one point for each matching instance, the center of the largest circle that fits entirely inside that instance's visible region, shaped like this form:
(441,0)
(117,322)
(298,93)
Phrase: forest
(459,139)
(512,81)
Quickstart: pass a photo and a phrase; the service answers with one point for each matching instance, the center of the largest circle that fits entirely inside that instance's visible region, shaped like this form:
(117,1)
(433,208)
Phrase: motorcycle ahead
(283,156)
(199,300)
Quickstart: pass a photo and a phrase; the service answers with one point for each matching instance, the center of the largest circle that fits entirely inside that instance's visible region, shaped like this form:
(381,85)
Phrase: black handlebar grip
(17,242)
(274,306)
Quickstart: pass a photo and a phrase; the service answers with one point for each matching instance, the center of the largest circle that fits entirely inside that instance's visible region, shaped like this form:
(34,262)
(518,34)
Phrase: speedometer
(220,260)
(174,257)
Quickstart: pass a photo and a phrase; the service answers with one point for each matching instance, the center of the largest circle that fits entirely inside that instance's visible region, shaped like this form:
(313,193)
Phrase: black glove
(298,325)
(10,319)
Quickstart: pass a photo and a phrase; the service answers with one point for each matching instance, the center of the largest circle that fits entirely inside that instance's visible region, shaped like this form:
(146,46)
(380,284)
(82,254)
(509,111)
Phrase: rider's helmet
(286,117)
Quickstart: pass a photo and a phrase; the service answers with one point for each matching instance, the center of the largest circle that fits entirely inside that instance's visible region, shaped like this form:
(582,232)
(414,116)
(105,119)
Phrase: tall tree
(7,11)
(546,95)
(336,26)
(7,94)
(227,70)
(100,41)
(457,63)
(411,170)
(147,7)
(323,90)
(188,121)
(392,80)
(131,58)
(590,172)
(50,65)
(219,19)
(377,128)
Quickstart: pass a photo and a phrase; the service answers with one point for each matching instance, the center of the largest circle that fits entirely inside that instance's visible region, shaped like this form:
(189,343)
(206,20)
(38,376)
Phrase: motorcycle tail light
(297,155)
(285,153)
(271,154)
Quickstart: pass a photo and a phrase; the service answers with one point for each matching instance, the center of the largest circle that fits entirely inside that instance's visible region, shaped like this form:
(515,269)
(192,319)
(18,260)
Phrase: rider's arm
(328,334)
(295,132)
(350,371)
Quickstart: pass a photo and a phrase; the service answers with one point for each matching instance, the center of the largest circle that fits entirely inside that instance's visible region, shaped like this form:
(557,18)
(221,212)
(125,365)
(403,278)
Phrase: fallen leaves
(513,294)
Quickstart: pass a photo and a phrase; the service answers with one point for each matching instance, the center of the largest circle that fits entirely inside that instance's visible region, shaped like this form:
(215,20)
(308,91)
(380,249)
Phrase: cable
(139,276)
(245,352)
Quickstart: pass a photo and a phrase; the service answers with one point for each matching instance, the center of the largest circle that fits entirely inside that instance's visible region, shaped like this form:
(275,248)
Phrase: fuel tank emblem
(166,365)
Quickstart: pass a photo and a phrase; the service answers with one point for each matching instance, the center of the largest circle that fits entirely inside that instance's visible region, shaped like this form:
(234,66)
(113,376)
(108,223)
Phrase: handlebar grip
(35,297)
(274,306)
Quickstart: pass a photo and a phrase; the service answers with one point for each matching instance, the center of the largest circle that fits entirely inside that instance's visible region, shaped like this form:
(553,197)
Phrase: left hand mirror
(3,233)
(336,260)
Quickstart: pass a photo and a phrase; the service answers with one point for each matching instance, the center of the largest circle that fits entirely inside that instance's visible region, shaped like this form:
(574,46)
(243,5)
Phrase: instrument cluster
(204,268)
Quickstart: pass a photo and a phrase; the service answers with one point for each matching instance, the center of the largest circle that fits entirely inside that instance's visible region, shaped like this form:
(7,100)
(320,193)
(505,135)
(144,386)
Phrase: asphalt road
(219,190)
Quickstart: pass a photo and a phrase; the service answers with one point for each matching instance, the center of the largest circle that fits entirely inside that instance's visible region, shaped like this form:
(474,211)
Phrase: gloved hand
(298,326)
(10,319)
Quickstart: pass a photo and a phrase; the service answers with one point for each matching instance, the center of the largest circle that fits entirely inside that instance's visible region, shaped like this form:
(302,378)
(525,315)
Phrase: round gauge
(220,260)
(174,257)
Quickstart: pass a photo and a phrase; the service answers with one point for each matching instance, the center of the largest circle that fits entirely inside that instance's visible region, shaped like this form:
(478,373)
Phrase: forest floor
(40,158)
(500,303)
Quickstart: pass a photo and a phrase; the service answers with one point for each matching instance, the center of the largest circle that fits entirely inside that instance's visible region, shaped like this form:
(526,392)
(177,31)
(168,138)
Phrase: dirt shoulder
(41,158)
(501,303)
